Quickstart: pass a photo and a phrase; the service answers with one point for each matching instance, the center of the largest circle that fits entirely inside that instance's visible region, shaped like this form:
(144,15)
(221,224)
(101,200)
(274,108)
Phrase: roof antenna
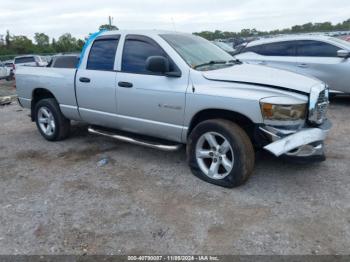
(172,21)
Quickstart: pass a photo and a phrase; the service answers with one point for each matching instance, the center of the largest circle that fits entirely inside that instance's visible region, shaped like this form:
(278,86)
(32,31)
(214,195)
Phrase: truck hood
(264,76)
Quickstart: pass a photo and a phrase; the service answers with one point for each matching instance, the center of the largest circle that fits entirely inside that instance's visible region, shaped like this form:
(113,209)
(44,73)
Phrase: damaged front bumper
(304,144)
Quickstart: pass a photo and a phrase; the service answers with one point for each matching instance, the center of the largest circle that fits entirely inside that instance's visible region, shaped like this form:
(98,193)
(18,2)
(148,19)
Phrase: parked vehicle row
(30,60)
(325,58)
(346,38)
(226,47)
(167,89)
(8,68)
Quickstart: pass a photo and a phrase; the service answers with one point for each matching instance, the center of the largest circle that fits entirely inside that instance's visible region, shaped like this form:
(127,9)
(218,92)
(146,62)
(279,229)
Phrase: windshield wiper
(210,63)
(235,61)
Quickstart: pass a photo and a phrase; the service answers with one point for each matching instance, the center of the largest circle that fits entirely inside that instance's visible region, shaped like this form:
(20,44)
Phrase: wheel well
(243,121)
(39,94)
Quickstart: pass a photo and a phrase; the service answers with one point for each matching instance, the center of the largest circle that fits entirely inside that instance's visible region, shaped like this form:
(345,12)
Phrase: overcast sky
(80,17)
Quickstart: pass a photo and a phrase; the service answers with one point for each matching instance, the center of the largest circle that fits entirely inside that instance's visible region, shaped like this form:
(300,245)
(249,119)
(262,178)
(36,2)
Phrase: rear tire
(51,123)
(221,153)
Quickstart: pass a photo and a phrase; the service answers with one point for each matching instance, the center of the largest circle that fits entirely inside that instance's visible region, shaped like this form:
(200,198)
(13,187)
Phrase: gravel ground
(56,199)
(7,88)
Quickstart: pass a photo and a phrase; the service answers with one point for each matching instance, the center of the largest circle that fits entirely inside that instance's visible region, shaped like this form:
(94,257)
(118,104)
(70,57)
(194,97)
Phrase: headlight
(318,105)
(283,111)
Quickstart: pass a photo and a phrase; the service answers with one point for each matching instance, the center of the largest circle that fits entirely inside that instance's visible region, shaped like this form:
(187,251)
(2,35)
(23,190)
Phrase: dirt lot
(55,198)
(7,88)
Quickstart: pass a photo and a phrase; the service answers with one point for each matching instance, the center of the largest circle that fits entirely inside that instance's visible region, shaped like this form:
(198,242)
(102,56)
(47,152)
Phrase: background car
(3,71)
(346,38)
(6,70)
(323,57)
(29,60)
(226,47)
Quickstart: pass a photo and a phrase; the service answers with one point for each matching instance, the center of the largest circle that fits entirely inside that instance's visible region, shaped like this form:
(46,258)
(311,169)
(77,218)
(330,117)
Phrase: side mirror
(343,53)
(160,65)
(157,64)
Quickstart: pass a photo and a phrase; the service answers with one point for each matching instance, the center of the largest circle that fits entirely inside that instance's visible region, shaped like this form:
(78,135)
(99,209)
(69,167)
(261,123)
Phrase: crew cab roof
(140,32)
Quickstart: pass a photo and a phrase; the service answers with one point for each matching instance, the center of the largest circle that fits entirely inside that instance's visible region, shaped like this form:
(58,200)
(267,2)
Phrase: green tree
(41,39)
(21,44)
(80,43)
(66,43)
(108,27)
(7,39)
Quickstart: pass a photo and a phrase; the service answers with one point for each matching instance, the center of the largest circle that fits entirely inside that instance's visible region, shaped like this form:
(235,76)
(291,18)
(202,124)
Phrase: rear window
(66,62)
(23,60)
(102,55)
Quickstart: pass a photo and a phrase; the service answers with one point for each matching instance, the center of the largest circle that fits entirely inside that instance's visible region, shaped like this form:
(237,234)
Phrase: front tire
(221,153)
(51,123)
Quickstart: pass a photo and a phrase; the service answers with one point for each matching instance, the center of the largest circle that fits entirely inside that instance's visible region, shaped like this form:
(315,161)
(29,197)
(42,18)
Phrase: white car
(323,57)
(224,46)
(3,71)
(29,60)
(6,68)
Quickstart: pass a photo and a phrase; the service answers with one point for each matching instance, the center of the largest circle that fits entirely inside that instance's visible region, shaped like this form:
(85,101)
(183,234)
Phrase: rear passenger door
(96,83)
(148,103)
(319,59)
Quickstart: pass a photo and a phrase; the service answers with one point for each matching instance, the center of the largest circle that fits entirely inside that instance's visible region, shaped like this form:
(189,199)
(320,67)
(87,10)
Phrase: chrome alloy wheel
(46,121)
(214,155)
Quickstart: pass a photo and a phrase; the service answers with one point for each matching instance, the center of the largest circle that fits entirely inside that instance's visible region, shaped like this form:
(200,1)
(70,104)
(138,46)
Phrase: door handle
(84,80)
(303,65)
(262,63)
(125,84)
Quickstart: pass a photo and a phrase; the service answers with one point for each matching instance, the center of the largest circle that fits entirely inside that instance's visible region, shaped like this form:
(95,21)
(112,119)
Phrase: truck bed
(59,80)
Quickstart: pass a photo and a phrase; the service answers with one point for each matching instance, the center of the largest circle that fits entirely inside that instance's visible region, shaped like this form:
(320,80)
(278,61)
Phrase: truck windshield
(199,53)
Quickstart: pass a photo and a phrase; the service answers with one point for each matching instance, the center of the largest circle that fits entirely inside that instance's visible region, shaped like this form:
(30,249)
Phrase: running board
(135,139)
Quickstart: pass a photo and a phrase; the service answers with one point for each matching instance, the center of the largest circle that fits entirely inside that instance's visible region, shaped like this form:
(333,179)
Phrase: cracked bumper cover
(306,143)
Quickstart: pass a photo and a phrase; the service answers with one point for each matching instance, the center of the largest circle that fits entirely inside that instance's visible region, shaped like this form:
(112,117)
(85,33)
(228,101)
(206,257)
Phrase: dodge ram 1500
(166,89)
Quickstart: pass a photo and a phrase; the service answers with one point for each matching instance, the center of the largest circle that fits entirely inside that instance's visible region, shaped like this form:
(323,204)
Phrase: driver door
(149,103)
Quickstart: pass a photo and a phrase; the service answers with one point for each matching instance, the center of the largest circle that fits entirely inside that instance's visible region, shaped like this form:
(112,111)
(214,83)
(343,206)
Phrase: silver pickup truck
(166,89)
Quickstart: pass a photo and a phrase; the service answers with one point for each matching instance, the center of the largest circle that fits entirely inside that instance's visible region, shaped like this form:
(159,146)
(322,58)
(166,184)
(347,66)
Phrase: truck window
(22,60)
(136,51)
(102,55)
(66,62)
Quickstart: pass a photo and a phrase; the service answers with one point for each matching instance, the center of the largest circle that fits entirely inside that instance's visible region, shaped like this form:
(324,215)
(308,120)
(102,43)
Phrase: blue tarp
(91,38)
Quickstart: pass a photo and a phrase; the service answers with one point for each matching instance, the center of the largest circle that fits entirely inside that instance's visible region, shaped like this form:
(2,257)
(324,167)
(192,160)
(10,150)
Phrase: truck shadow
(340,100)
(268,168)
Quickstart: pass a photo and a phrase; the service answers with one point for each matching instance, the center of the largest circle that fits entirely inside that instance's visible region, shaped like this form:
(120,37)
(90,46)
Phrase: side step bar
(135,139)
